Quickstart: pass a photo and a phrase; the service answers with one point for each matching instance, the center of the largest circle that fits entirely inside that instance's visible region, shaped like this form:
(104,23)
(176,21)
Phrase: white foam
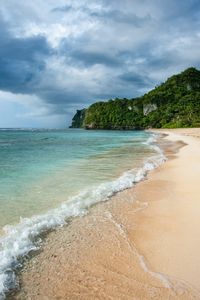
(20,239)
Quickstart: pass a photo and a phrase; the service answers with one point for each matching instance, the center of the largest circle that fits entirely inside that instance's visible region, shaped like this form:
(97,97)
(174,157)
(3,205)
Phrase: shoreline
(110,253)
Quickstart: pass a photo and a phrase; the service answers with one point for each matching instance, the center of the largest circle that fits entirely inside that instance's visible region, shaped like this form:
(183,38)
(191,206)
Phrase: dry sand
(143,244)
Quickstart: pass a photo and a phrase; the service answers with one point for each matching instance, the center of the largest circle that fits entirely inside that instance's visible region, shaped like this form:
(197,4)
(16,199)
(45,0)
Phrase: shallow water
(41,168)
(47,176)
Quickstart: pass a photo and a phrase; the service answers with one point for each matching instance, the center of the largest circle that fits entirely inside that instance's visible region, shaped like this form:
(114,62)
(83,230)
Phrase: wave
(24,237)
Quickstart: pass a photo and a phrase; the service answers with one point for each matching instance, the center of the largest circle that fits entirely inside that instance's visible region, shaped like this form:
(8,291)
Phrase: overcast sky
(59,56)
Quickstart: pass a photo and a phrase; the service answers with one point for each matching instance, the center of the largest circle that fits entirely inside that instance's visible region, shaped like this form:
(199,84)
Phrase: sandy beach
(144,243)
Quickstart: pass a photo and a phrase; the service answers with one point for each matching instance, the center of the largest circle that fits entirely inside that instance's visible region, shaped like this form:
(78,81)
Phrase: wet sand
(144,243)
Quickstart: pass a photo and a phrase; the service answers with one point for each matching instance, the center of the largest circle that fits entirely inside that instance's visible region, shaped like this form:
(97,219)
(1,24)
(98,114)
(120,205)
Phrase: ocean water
(47,176)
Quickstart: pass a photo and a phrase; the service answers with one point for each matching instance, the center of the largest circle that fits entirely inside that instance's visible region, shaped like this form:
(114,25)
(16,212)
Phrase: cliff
(78,119)
(175,103)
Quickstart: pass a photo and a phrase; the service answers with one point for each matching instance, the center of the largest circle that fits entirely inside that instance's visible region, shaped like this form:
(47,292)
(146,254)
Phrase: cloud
(137,80)
(21,60)
(65,8)
(65,56)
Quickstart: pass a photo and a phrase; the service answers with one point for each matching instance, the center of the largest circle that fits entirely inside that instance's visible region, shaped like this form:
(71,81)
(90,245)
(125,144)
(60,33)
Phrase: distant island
(173,104)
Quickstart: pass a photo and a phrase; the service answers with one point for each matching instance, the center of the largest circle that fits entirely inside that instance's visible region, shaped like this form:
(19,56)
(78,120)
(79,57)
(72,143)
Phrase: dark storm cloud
(137,80)
(21,60)
(76,52)
(89,58)
(59,98)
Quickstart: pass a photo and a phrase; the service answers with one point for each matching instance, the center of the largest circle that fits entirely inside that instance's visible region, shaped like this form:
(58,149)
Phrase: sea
(50,176)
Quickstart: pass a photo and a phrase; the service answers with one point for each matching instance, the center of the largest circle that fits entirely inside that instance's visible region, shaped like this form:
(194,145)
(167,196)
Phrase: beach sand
(144,243)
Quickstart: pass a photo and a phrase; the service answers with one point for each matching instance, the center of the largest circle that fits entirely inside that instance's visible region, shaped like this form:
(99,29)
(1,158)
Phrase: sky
(60,56)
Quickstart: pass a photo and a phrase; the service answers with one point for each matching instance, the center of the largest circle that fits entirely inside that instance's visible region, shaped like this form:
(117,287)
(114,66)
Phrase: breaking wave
(24,237)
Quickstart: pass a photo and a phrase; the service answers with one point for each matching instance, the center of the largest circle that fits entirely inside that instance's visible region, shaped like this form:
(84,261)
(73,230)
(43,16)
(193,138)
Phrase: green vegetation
(175,103)
(78,119)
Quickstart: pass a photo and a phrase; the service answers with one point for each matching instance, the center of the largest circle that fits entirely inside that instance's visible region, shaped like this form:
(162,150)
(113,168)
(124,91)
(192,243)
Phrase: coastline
(142,244)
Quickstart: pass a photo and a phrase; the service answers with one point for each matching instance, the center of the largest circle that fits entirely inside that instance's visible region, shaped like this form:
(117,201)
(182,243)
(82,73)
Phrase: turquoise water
(47,176)
(41,168)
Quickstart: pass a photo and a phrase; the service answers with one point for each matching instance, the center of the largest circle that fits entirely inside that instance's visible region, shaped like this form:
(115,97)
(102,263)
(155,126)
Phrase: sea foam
(24,237)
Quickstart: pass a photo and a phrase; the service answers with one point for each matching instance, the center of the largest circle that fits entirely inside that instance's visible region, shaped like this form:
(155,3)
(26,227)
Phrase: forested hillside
(175,103)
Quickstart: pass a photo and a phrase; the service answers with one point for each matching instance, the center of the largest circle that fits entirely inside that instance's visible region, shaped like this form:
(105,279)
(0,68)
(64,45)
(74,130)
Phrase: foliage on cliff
(78,118)
(175,103)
